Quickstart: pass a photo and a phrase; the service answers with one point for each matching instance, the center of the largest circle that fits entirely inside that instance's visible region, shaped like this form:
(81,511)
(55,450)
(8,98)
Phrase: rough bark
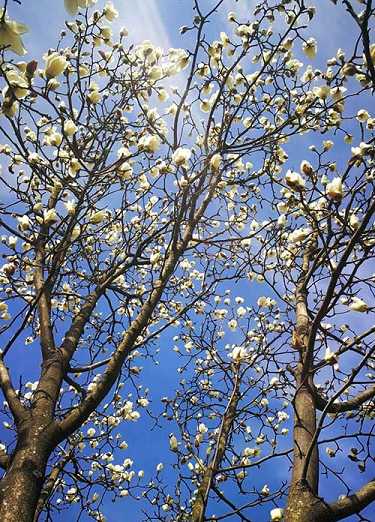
(21,485)
(304,506)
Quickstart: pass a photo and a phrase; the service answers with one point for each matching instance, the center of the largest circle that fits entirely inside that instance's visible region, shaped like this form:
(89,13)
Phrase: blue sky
(158,21)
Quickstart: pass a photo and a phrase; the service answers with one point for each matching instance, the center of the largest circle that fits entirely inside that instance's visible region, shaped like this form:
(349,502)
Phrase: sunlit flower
(173,444)
(149,143)
(70,127)
(70,207)
(10,34)
(155,258)
(358,305)
(94,95)
(294,180)
(306,168)
(276,514)
(322,92)
(232,324)
(299,235)
(72,6)
(110,12)
(55,64)
(309,48)
(334,189)
(181,156)
(24,222)
(98,217)
(362,116)
(50,216)
(18,85)
(354,222)
(329,356)
(215,161)
(239,353)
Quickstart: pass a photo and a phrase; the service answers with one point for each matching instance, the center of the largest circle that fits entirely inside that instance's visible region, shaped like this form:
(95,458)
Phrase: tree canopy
(204,212)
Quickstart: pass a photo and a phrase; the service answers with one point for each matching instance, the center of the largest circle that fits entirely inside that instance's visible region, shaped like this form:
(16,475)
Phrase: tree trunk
(303,502)
(304,506)
(21,485)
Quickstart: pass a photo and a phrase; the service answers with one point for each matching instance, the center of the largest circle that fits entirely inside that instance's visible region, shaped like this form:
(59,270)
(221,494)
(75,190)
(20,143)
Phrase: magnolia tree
(130,206)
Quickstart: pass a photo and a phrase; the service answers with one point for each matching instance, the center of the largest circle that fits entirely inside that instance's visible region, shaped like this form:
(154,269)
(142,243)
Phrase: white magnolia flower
(330,452)
(265,491)
(202,428)
(71,494)
(52,138)
(215,161)
(322,92)
(334,189)
(55,64)
(18,85)
(361,150)
(70,127)
(24,222)
(110,12)
(173,444)
(306,168)
(265,301)
(181,156)
(232,324)
(70,206)
(10,34)
(50,216)
(362,115)
(12,241)
(358,305)
(276,514)
(149,143)
(309,48)
(330,356)
(98,217)
(239,353)
(94,95)
(299,235)
(354,222)
(76,232)
(241,311)
(294,180)
(155,258)
(251,452)
(72,6)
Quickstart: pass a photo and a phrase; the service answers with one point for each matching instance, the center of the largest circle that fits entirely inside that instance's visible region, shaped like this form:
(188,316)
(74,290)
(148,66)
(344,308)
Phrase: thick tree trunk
(304,506)
(21,486)
(304,431)
(303,502)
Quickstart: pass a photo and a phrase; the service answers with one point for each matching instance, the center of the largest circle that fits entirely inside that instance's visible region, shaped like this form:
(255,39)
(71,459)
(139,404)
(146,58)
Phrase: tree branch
(19,412)
(353,503)
(351,404)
